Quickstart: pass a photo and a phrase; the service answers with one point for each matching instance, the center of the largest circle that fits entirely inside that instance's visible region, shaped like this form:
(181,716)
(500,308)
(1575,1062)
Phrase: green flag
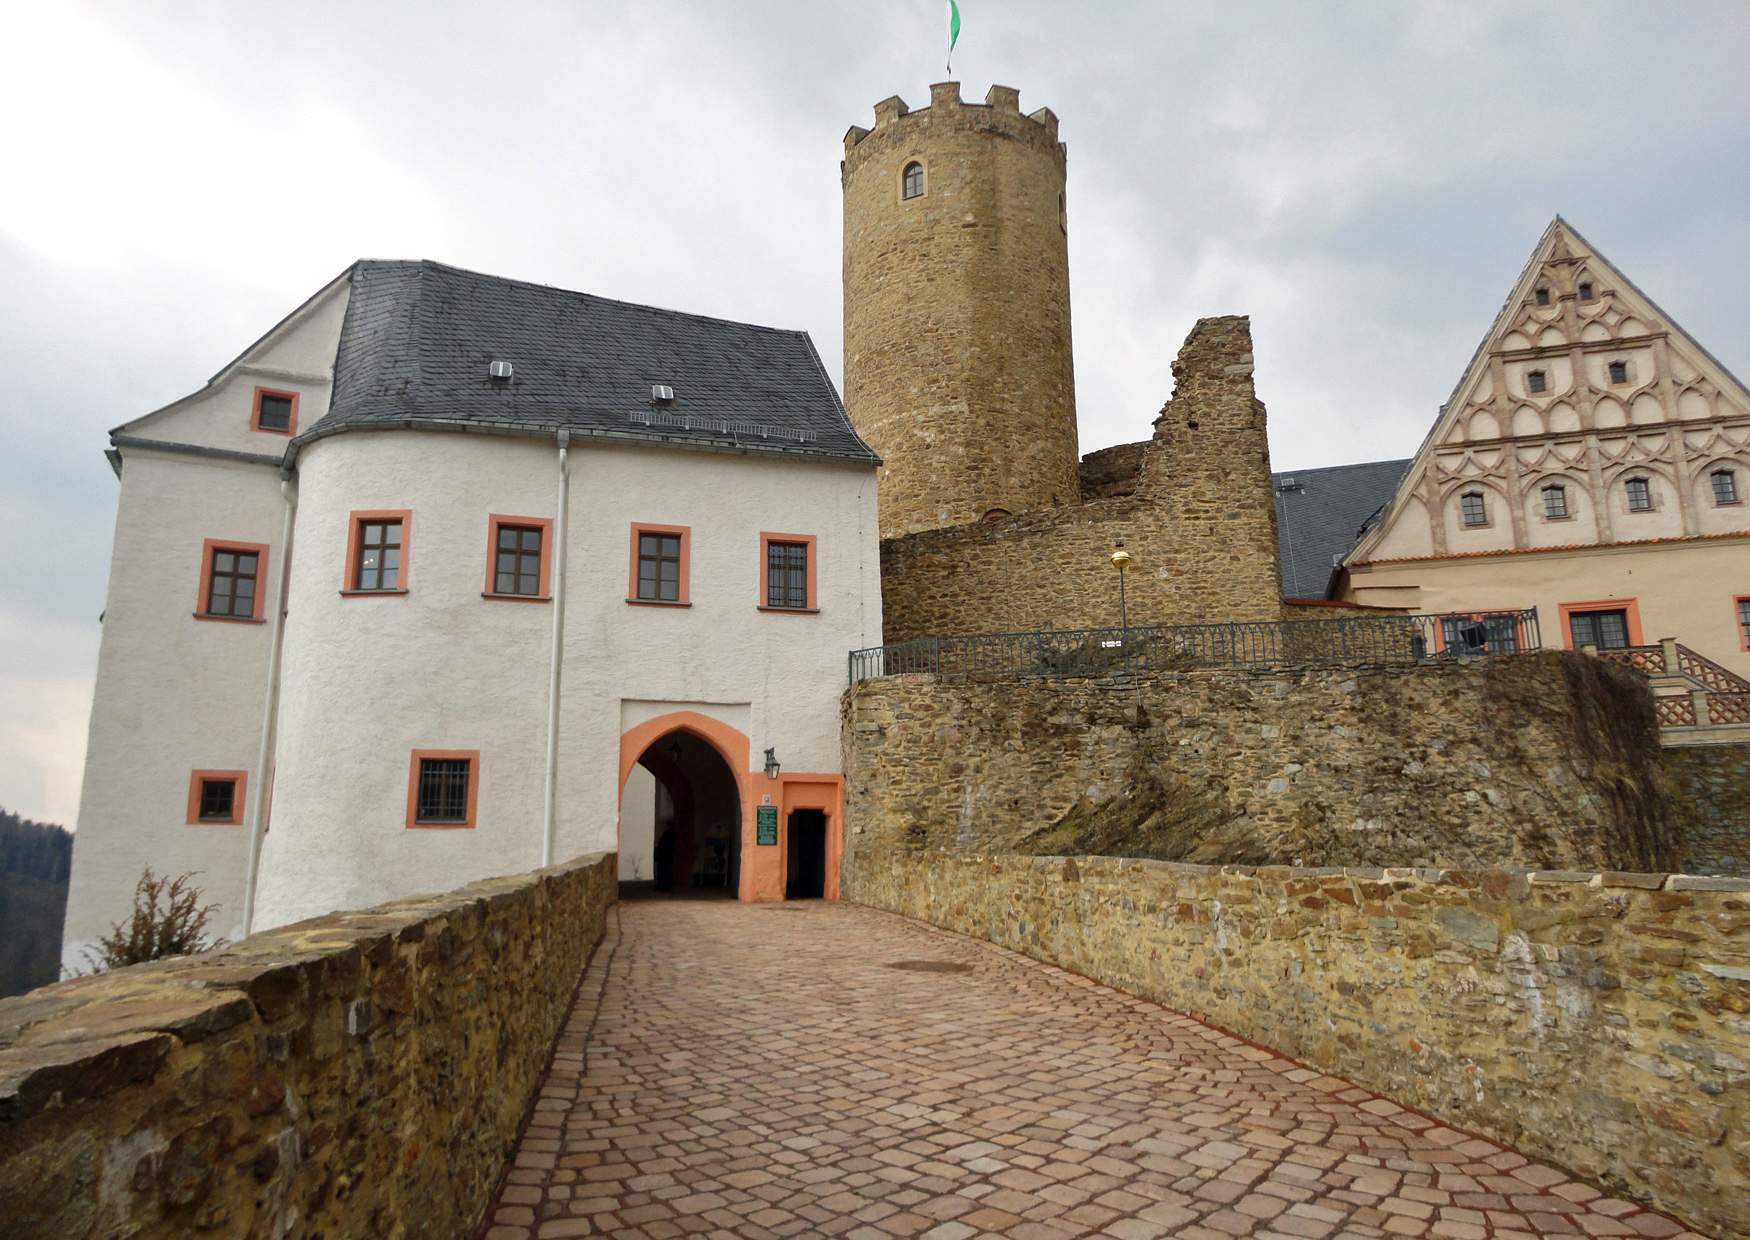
(953,31)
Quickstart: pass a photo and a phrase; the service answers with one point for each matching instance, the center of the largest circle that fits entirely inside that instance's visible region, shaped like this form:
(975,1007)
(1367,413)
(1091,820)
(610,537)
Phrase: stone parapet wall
(1538,760)
(1598,1020)
(1710,795)
(361,1074)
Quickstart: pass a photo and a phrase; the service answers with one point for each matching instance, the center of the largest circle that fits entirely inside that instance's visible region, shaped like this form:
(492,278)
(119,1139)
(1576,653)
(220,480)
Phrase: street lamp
(1121,561)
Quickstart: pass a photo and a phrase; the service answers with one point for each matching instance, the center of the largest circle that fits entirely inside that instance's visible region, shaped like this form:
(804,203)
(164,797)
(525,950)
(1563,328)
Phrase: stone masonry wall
(1541,760)
(361,1074)
(1600,1021)
(1710,795)
(1201,526)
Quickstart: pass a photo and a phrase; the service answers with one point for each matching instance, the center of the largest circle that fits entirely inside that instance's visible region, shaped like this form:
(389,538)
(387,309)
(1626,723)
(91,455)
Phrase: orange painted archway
(763,867)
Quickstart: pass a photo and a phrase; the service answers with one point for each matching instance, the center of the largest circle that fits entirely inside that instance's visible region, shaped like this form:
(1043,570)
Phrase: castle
(517,624)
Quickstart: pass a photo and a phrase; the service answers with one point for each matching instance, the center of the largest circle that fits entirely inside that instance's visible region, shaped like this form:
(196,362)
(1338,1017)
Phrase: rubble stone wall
(361,1074)
(1200,524)
(1546,760)
(1710,795)
(1597,1020)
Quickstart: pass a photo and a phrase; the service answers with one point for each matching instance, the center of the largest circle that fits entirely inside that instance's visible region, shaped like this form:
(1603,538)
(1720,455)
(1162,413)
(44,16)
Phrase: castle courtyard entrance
(680,829)
(821,1068)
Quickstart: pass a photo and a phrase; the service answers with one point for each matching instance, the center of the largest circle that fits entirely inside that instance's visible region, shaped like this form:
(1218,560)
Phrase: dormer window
(1640,495)
(1555,502)
(1543,297)
(1585,290)
(1536,381)
(912,182)
(1472,508)
(1619,372)
(1725,484)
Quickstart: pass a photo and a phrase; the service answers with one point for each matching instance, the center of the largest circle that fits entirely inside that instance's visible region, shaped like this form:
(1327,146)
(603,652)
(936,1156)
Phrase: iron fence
(1353,642)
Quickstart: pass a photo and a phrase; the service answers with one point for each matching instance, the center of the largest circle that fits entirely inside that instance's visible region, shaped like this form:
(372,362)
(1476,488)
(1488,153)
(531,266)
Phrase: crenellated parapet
(1000,113)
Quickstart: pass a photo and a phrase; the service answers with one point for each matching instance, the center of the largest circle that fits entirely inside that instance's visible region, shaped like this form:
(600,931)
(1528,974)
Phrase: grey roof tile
(419,336)
(1321,517)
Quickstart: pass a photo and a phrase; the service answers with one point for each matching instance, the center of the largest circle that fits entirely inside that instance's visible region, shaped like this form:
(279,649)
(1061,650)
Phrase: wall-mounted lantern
(772,767)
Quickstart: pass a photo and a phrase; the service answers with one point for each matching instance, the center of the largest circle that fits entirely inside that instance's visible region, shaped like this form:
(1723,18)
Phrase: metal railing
(1353,642)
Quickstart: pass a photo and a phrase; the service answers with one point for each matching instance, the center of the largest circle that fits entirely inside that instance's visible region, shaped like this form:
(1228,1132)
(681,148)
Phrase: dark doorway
(693,845)
(807,877)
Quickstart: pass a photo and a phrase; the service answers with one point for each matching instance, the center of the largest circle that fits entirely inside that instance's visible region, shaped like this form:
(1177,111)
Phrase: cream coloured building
(1593,462)
(448,575)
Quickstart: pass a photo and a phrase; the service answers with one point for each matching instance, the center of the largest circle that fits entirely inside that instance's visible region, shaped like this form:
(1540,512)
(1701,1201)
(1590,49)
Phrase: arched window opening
(912,184)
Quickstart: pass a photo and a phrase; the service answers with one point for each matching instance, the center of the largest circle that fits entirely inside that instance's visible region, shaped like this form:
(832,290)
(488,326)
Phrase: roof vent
(661,394)
(499,371)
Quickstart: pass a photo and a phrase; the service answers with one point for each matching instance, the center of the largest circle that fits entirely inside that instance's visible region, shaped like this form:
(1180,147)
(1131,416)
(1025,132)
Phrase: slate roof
(1322,516)
(418,338)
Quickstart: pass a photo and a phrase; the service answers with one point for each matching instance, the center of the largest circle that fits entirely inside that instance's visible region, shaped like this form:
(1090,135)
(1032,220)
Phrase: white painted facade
(365,681)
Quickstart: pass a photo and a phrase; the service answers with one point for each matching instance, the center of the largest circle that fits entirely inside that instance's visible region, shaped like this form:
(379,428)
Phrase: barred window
(913,181)
(1555,502)
(1473,509)
(1536,381)
(218,800)
(1725,484)
(379,556)
(1640,495)
(517,560)
(659,567)
(787,575)
(443,790)
(1619,372)
(231,584)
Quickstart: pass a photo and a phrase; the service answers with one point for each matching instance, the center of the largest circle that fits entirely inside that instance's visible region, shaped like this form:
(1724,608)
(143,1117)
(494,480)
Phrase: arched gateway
(694,819)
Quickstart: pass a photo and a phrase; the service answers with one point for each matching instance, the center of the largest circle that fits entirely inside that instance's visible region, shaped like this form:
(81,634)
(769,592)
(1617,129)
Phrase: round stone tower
(957,344)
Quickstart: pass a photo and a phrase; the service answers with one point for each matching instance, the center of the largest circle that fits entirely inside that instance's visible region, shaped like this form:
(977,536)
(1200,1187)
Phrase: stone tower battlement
(958,366)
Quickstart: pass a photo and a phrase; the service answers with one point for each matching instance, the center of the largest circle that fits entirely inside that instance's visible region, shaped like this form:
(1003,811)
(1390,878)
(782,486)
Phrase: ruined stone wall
(958,367)
(1599,1021)
(1200,526)
(361,1074)
(1546,760)
(1710,796)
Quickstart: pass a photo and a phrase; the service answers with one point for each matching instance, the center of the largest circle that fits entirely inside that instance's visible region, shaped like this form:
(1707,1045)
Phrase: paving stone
(755,1071)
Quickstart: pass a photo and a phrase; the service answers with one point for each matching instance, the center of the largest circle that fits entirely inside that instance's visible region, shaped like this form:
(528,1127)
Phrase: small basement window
(912,182)
(1536,381)
(1640,495)
(1555,502)
(1473,509)
(1619,372)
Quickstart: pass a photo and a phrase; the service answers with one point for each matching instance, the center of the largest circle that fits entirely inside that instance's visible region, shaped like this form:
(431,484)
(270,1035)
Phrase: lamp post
(1121,561)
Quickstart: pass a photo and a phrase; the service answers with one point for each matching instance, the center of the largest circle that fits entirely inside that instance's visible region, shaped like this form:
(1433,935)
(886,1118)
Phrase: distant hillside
(35,859)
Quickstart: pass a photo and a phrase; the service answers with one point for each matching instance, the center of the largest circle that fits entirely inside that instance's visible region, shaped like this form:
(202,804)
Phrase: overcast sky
(1365,180)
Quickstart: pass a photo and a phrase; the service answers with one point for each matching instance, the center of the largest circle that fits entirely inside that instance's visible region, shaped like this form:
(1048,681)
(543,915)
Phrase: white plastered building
(449,576)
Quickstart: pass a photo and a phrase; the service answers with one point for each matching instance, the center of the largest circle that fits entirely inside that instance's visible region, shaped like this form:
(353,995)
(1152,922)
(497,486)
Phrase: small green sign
(766,825)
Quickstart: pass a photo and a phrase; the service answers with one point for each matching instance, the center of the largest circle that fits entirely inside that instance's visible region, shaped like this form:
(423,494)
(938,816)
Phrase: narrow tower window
(1555,502)
(913,182)
(1640,495)
(1536,381)
(1471,505)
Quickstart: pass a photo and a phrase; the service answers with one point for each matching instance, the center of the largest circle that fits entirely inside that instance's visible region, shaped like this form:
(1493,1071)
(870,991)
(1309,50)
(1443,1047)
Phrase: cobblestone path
(827,1070)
